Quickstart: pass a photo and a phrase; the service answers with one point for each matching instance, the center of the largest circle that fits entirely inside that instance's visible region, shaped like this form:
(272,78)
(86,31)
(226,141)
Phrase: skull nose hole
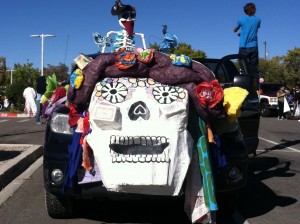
(139,110)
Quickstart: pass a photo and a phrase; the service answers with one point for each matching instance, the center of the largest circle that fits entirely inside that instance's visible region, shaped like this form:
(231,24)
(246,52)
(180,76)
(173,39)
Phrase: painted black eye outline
(114,92)
(165,94)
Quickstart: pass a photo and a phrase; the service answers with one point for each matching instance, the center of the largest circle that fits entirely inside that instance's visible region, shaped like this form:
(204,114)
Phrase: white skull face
(139,135)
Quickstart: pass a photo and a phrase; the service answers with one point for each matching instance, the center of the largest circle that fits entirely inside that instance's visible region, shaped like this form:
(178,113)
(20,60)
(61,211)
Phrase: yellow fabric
(233,99)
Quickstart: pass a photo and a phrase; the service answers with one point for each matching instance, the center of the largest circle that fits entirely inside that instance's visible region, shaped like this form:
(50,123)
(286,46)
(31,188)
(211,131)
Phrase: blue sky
(206,25)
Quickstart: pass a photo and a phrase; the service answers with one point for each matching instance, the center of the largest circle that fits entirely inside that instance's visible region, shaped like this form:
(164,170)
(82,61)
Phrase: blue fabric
(75,158)
(249,26)
(38,108)
(218,158)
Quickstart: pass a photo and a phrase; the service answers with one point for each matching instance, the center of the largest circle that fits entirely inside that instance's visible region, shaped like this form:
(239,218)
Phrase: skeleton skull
(139,135)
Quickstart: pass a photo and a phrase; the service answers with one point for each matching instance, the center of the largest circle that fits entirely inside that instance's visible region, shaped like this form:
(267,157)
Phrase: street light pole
(265,43)
(42,59)
(11,74)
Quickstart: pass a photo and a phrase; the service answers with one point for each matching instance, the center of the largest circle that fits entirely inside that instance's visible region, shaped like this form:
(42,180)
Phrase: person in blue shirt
(248,26)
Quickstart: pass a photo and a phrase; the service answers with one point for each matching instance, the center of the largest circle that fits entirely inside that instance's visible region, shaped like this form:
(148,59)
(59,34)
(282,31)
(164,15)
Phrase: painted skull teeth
(139,149)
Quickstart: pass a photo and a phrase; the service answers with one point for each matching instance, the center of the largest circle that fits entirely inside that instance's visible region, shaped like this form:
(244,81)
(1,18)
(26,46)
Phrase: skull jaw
(139,175)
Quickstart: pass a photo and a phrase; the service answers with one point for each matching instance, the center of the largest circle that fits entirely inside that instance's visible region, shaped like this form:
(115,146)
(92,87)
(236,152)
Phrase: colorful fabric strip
(205,167)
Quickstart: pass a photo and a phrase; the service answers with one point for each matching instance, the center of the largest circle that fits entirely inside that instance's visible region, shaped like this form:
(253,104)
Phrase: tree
(292,66)
(185,49)
(61,71)
(2,71)
(24,76)
(272,70)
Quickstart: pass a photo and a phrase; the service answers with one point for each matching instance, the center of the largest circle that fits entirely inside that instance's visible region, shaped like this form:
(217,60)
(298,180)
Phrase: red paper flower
(209,94)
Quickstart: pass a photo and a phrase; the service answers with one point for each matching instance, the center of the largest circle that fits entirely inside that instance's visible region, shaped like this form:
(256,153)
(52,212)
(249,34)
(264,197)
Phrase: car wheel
(265,112)
(59,207)
(227,203)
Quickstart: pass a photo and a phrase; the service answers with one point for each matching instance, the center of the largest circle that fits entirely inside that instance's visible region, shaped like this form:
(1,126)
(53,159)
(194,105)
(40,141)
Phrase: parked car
(236,145)
(268,99)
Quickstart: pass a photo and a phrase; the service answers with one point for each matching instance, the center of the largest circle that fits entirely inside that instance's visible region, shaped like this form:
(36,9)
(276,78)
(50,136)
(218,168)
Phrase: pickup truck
(268,99)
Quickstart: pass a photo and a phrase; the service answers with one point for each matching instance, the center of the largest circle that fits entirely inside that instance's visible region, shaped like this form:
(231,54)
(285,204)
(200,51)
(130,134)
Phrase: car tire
(227,203)
(59,207)
(265,112)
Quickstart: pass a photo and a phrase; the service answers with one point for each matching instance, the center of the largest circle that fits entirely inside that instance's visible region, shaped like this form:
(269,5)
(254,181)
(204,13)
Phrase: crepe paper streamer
(205,168)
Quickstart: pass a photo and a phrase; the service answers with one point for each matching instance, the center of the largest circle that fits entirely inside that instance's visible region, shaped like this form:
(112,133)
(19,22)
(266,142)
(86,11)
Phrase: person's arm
(236,29)
(280,94)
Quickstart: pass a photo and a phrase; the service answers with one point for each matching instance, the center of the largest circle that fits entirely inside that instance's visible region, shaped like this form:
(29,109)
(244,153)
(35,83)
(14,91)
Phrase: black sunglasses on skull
(127,14)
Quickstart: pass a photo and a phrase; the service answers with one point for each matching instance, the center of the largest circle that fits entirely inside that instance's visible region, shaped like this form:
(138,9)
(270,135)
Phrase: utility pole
(11,74)
(42,36)
(265,43)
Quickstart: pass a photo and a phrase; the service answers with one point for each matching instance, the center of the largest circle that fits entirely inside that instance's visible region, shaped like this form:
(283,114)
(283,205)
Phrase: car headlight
(57,176)
(235,174)
(60,123)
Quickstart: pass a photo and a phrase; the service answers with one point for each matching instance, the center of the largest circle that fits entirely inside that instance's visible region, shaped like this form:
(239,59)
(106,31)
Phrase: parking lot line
(283,145)
(24,120)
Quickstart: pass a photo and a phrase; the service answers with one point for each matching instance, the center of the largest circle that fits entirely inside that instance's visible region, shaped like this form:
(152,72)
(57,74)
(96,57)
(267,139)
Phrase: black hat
(119,8)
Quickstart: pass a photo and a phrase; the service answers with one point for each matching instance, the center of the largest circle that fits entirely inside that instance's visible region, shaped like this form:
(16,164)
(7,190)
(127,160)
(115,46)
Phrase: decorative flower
(76,78)
(181,60)
(144,56)
(233,100)
(114,92)
(126,59)
(209,94)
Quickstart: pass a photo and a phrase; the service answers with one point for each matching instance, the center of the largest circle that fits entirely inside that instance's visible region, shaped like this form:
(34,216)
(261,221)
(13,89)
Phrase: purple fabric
(160,69)
(51,107)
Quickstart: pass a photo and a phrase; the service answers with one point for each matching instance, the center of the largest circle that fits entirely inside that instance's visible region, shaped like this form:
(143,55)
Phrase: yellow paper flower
(76,78)
(233,100)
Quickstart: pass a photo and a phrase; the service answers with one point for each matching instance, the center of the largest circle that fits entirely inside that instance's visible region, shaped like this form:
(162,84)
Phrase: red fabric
(73,116)
(60,92)
(86,127)
(209,94)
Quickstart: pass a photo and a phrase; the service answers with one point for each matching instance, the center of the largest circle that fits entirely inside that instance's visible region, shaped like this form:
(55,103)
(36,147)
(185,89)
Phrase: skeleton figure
(138,132)
(126,15)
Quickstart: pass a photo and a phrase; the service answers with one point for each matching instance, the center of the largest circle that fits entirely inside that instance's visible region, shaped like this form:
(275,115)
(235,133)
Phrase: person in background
(297,101)
(280,96)
(30,106)
(40,89)
(248,45)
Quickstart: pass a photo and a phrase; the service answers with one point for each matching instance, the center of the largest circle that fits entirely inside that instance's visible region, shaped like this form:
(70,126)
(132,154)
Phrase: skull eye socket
(165,94)
(114,92)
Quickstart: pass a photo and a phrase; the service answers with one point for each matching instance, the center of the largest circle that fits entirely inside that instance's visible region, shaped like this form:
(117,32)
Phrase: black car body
(227,71)
(235,145)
